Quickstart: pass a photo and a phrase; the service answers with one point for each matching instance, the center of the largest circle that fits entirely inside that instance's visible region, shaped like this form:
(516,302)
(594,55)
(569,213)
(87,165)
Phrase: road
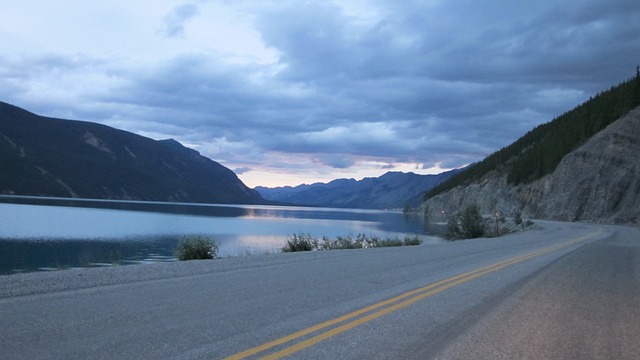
(565,291)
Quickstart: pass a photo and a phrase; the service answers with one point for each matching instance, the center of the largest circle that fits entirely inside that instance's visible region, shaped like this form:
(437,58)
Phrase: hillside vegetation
(539,152)
(43,156)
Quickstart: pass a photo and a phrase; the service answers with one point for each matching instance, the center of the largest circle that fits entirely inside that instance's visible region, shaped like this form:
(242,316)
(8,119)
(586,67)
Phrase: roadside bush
(391,243)
(305,242)
(471,223)
(344,243)
(517,217)
(453,228)
(300,242)
(468,225)
(364,241)
(412,240)
(196,248)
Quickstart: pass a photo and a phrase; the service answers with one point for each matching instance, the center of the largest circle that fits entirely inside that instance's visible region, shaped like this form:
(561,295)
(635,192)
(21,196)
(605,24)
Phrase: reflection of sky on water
(36,236)
(37,221)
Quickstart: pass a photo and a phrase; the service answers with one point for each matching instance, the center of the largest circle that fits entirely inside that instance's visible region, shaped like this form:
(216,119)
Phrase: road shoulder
(584,305)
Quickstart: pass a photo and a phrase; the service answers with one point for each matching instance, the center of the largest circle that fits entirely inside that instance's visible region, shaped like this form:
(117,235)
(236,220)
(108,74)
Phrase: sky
(290,92)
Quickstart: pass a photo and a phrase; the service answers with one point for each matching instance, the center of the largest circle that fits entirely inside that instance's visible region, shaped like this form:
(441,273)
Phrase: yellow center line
(413,296)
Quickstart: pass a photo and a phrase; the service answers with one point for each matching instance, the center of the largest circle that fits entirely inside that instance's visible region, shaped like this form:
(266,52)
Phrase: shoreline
(41,282)
(84,279)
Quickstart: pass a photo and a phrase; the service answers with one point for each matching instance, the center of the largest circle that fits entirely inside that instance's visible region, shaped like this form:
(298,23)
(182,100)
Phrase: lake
(55,233)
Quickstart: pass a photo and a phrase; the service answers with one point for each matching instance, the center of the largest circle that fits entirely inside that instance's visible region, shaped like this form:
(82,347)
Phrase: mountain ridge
(390,190)
(43,156)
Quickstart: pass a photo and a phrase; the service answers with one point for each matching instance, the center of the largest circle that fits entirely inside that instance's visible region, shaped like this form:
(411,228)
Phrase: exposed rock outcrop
(599,181)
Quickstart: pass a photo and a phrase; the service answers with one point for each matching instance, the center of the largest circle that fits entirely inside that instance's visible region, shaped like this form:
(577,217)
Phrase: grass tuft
(307,242)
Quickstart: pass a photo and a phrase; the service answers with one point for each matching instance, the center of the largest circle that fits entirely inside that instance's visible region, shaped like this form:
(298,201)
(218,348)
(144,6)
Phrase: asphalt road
(566,291)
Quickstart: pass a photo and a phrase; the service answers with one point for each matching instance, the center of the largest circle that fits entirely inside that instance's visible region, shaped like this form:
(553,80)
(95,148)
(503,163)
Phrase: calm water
(47,234)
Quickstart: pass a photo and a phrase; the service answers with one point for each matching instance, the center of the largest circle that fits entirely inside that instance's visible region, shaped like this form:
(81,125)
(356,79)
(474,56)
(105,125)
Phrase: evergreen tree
(636,99)
(539,152)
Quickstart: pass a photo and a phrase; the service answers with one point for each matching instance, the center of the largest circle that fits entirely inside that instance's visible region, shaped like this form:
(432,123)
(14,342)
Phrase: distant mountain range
(582,166)
(391,190)
(43,156)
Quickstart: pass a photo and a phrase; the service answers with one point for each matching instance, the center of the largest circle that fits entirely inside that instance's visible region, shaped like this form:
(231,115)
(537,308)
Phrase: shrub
(326,244)
(453,228)
(391,243)
(305,242)
(468,225)
(196,248)
(412,240)
(344,243)
(471,223)
(517,217)
(368,242)
(300,242)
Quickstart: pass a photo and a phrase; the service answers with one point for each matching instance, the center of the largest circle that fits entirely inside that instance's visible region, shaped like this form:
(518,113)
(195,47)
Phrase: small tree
(471,223)
(517,217)
(636,97)
(468,225)
(453,228)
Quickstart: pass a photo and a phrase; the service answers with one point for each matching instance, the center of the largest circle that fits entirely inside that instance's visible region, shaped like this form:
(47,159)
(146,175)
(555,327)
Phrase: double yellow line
(384,307)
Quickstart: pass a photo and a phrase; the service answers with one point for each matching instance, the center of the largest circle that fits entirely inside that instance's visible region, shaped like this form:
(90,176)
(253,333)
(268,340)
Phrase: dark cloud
(241,170)
(173,23)
(396,82)
(337,161)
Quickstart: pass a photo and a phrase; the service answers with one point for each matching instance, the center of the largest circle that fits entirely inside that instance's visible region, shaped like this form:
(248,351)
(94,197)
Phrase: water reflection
(19,255)
(40,234)
(146,206)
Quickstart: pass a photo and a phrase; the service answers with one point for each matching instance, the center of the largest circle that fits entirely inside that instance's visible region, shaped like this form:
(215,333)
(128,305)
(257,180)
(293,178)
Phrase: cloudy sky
(290,92)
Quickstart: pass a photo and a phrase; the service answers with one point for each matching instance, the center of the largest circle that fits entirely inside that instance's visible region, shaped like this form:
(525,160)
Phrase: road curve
(562,291)
(583,306)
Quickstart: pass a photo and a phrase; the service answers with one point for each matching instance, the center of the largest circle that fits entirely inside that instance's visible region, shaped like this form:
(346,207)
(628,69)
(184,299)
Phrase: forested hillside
(539,152)
(44,156)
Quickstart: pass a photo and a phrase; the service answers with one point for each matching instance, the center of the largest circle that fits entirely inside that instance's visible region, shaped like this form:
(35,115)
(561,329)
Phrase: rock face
(599,181)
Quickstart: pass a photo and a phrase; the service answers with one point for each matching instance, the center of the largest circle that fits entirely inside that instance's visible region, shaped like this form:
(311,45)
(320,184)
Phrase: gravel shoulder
(81,278)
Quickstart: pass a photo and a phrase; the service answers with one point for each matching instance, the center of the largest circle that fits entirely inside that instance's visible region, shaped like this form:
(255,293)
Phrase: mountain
(583,166)
(44,156)
(391,190)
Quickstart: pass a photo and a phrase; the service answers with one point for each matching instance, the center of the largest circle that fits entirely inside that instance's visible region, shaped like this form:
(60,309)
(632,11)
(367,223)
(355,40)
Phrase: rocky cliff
(599,181)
